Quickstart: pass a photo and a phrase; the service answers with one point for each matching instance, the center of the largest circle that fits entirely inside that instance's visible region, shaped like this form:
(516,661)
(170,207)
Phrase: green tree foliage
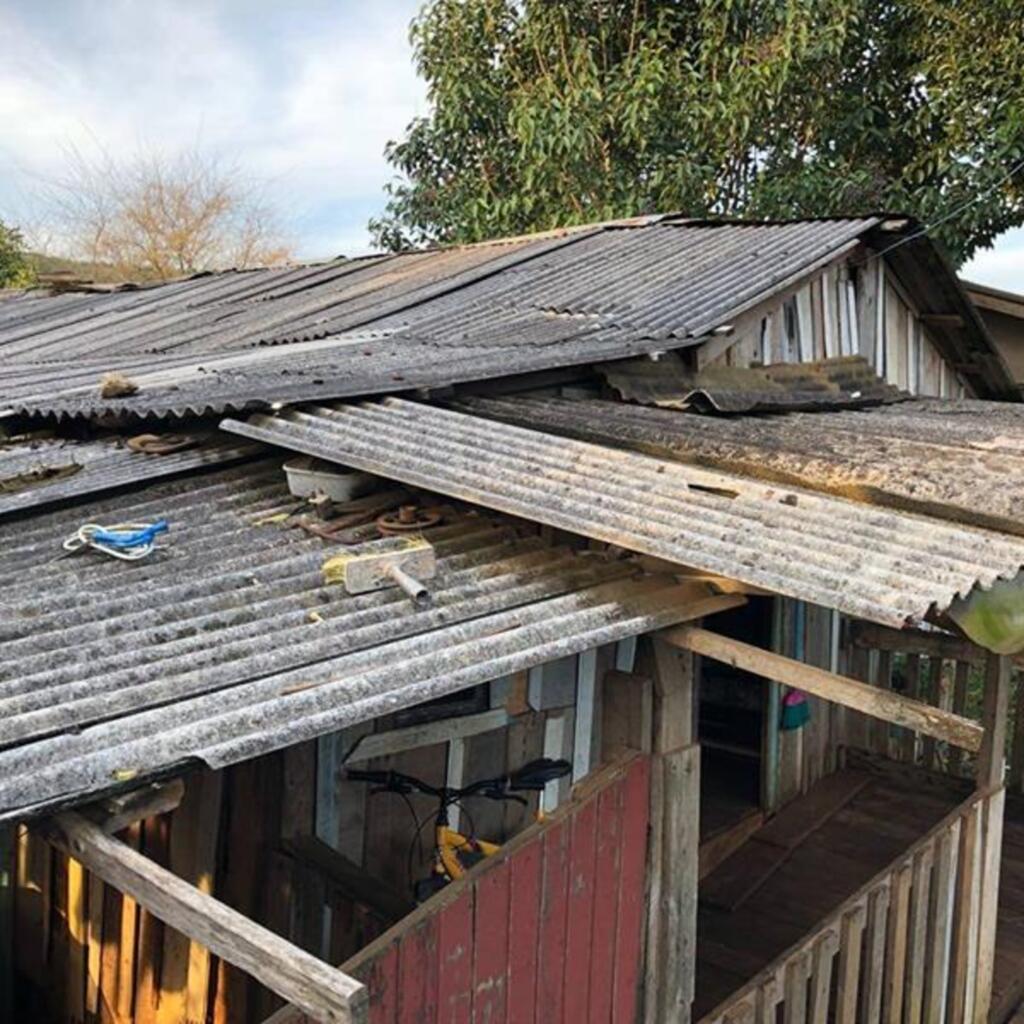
(545,113)
(15,268)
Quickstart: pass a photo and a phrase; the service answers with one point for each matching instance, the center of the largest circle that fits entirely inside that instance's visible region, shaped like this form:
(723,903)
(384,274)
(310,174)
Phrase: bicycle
(455,853)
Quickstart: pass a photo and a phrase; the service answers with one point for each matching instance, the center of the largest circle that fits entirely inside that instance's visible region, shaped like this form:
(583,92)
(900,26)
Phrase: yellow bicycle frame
(449,843)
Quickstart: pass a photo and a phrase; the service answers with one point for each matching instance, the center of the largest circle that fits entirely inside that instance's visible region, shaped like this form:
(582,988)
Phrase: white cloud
(303,96)
(1002,266)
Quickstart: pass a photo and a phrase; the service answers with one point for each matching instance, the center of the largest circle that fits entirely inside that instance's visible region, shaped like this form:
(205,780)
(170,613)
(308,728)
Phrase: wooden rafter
(870,700)
(324,993)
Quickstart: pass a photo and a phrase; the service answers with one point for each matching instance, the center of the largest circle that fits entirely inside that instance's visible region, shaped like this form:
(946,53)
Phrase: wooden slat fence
(940,670)
(548,930)
(912,945)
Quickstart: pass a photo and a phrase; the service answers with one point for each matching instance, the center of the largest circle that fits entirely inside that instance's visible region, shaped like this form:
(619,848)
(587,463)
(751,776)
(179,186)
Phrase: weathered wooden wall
(844,310)
(938,669)
(90,954)
(263,837)
(805,632)
(548,930)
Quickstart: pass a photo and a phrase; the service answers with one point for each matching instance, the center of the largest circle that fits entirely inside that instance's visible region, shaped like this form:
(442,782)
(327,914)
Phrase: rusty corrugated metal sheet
(38,473)
(872,563)
(425,319)
(849,381)
(226,644)
(961,461)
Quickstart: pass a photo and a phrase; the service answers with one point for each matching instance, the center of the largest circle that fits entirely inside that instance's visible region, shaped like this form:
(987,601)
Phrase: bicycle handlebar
(533,776)
(395,782)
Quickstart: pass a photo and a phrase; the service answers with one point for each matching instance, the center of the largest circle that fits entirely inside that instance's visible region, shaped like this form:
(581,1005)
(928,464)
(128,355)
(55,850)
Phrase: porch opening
(731,731)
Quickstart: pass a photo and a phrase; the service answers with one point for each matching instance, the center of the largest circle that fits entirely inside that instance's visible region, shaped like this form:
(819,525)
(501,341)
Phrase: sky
(302,96)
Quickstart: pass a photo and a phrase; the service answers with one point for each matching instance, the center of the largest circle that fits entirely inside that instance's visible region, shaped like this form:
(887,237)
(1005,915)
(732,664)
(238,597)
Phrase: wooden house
(725,515)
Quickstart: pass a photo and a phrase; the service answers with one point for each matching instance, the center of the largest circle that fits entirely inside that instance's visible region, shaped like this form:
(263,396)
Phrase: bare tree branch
(153,216)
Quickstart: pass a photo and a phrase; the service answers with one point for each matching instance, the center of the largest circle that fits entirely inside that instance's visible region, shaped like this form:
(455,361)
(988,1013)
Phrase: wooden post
(770,722)
(197,996)
(675,840)
(1016,779)
(8,846)
(992,756)
(991,771)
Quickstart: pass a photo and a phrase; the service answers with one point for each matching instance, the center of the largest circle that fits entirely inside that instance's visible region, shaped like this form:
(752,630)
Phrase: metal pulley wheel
(408,519)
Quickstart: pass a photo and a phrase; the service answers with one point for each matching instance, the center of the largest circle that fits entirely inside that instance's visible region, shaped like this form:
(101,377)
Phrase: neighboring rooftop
(435,318)
(1003,314)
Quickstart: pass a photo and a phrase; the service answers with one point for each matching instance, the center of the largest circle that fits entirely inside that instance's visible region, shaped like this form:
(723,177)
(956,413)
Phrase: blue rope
(131,538)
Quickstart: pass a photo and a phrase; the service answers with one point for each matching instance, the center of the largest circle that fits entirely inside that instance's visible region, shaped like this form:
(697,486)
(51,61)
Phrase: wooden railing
(915,944)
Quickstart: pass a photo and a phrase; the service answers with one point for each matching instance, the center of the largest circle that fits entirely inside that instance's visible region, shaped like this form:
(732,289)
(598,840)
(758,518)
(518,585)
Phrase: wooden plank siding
(548,930)
(841,310)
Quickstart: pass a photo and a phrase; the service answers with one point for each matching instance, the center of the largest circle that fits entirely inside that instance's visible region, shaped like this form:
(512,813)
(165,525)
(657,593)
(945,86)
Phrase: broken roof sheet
(960,460)
(35,473)
(226,644)
(849,381)
(426,319)
(355,364)
(873,563)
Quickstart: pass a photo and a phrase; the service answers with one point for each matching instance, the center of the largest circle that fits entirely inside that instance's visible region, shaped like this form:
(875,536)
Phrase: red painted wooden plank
(490,945)
(523,933)
(580,912)
(418,974)
(455,968)
(606,901)
(381,978)
(551,944)
(632,873)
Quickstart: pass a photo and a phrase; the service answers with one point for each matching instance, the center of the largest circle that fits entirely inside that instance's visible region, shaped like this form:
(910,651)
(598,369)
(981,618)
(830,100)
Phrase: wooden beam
(117,813)
(1009,306)
(991,771)
(915,641)
(358,884)
(870,700)
(988,910)
(396,741)
(587,698)
(324,993)
(942,319)
(8,847)
(672,934)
